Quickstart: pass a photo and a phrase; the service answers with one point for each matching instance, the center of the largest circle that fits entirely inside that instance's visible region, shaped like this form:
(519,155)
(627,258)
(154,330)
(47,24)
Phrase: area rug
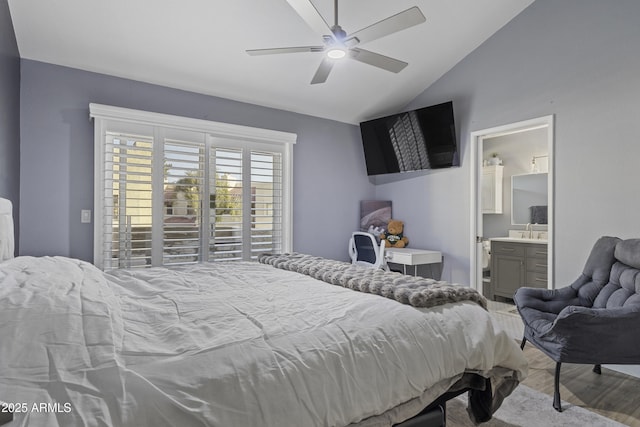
(526,407)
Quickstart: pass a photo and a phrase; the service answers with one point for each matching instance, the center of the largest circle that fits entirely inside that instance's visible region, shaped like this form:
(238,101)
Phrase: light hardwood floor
(612,394)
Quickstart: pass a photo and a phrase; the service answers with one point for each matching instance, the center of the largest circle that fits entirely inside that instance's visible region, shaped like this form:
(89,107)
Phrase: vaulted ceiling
(200,46)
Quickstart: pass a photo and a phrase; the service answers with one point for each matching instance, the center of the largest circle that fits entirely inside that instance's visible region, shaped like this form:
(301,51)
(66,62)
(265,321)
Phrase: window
(171,190)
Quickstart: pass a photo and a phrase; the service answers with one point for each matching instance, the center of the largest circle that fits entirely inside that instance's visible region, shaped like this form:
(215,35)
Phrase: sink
(520,239)
(529,235)
(537,236)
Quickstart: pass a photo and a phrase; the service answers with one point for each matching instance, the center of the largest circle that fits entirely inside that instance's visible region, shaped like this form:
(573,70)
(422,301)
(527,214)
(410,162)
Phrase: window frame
(118,119)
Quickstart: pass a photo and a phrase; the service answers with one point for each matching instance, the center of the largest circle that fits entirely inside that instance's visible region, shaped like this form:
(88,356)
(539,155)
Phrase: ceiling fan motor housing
(339,33)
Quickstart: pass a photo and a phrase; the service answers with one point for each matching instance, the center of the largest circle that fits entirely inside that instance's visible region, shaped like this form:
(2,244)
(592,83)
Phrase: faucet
(529,230)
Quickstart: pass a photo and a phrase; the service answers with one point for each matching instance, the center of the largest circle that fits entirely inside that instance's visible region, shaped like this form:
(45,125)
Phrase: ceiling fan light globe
(336,53)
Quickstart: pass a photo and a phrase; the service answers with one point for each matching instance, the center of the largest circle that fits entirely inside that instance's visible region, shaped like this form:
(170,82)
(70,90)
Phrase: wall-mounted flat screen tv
(410,141)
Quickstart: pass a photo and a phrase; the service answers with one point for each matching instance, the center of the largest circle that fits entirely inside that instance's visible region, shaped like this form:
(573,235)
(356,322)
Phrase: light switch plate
(85,216)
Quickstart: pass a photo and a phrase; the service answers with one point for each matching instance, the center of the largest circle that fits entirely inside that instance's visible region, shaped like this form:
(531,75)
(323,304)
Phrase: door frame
(476,143)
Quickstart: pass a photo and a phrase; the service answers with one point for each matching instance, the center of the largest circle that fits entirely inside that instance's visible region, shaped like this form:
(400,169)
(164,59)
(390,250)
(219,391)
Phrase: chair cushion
(628,252)
(596,272)
(623,289)
(546,300)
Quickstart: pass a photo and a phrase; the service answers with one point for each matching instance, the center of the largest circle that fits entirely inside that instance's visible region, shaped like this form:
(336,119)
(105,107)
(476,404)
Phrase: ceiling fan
(338,44)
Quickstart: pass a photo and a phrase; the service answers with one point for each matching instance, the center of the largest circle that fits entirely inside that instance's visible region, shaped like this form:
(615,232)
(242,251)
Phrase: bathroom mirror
(529,198)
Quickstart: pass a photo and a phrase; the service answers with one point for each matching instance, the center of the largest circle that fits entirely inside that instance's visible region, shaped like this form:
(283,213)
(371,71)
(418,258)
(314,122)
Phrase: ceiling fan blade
(311,16)
(392,24)
(323,71)
(377,60)
(278,50)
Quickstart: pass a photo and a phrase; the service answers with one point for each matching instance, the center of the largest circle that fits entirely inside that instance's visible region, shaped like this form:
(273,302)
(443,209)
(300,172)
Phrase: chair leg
(524,341)
(556,392)
(597,369)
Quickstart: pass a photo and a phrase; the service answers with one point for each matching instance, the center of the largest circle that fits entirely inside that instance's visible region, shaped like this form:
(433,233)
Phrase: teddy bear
(393,237)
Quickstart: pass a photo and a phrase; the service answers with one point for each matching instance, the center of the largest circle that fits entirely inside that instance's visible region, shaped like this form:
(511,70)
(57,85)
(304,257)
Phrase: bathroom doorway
(519,152)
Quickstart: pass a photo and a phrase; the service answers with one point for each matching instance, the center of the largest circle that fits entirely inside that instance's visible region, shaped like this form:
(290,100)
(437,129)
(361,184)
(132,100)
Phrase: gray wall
(329,177)
(9,114)
(576,59)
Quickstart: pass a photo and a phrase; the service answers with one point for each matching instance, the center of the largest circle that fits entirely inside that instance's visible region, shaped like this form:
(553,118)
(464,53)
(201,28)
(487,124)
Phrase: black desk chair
(365,250)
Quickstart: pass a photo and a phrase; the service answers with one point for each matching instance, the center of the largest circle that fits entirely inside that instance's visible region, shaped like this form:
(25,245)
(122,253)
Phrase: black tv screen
(410,141)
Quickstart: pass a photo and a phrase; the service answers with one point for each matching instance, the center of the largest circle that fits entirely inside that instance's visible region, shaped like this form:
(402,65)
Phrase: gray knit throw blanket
(415,291)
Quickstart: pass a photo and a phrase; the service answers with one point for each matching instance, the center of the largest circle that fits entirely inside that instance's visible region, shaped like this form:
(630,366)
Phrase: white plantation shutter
(266,203)
(226,167)
(173,191)
(127,208)
(247,203)
(183,196)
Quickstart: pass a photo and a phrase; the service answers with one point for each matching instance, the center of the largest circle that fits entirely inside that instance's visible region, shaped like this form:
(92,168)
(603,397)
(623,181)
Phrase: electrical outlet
(85,216)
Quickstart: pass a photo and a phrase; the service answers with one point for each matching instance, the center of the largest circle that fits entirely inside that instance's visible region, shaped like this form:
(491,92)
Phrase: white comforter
(241,344)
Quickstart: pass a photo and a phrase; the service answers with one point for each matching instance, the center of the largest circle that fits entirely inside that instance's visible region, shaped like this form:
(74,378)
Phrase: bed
(238,344)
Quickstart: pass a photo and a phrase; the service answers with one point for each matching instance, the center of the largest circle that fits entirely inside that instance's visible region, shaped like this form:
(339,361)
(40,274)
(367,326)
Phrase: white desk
(412,256)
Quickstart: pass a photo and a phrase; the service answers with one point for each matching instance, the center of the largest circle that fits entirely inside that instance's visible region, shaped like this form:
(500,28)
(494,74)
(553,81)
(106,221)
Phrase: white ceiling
(199,46)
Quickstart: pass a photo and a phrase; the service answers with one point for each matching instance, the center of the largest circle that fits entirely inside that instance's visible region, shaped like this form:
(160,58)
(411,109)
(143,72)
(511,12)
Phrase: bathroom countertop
(519,239)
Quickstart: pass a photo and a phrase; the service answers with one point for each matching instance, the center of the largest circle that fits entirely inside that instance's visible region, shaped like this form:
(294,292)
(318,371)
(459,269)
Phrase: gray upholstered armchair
(596,319)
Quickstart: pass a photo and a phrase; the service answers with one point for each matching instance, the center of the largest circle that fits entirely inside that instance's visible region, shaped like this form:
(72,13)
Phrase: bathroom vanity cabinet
(515,264)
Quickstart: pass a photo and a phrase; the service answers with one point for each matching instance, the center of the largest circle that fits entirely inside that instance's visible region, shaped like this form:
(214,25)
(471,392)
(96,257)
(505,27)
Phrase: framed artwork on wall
(374,216)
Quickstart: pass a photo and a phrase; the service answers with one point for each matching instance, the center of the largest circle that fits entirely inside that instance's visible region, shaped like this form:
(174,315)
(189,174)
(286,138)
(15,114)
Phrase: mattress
(228,344)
